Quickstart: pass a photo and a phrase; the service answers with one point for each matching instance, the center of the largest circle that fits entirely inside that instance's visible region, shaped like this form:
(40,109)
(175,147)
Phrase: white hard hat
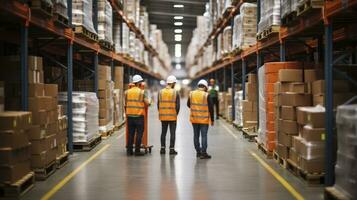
(203,82)
(137,79)
(171,79)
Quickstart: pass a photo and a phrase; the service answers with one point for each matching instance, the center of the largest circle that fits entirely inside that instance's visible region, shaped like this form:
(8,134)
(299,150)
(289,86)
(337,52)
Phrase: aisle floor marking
(66,179)
(276,175)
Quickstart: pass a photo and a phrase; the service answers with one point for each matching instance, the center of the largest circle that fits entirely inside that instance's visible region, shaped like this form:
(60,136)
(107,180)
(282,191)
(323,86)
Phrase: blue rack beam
(70,83)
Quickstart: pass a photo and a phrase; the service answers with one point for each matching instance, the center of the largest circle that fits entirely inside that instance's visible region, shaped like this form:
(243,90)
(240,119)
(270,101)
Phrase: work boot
(198,154)
(173,152)
(129,152)
(162,150)
(205,156)
(139,153)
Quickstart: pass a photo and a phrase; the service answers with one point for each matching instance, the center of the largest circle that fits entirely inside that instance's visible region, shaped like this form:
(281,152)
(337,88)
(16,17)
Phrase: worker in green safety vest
(213,90)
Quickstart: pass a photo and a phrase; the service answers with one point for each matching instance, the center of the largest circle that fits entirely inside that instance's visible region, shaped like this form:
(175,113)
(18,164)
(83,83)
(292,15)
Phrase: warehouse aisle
(232,173)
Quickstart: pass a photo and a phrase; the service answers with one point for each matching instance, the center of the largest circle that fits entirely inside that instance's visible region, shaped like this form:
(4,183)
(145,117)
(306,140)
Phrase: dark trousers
(200,129)
(164,127)
(216,104)
(135,125)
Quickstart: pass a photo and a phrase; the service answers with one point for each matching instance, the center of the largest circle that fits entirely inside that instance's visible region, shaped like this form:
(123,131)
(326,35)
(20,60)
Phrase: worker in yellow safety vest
(169,106)
(202,114)
(135,101)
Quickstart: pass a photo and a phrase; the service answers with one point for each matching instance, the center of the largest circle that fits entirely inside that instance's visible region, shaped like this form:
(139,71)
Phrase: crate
(87,146)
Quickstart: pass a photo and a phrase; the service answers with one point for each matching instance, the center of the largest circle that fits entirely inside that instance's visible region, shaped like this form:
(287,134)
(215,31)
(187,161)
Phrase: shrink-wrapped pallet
(269,14)
(245,27)
(82,14)
(105,21)
(238,107)
(288,6)
(116,34)
(126,34)
(85,108)
(227,40)
(262,106)
(345,168)
(60,8)
(227,4)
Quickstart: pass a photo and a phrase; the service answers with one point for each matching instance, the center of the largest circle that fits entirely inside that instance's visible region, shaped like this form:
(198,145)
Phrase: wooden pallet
(107,134)
(60,20)
(19,188)
(281,161)
(309,178)
(85,33)
(268,154)
(87,146)
(249,133)
(239,128)
(62,160)
(42,8)
(308,6)
(289,19)
(117,128)
(334,194)
(42,174)
(273,29)
(106,45)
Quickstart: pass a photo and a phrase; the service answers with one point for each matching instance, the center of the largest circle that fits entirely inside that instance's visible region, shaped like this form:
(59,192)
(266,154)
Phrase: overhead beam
(180,1)
(173,14)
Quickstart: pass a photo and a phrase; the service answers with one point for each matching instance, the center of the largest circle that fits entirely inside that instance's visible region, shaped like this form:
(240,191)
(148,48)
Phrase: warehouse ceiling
(163,12)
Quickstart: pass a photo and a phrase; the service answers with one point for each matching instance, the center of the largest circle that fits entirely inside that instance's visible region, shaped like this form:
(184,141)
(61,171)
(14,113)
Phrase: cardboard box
(102,84)
(43,159)
(249,116)
(13,139)
(9,156)
(316,117)
(252,78)
(301,114)
(311,134)
(15,120)
(52,128)
(40,103)
(250,123)
(102,94)
(284,139)
(293,156)
(103,122)
(250,88)
(252,96)
(38,146)
(312,165)
(13,173)
(103,113)
(310,75)
(35,63)
(295,87)
(36,133)
(294,99)
(247,106)
(310,150)
(51,90)
(282,151)
(36,89)
(288,127)
(290,75)
(339,86)
(40,117)
(338,99)
(104,72)
(274,67)
(288,113)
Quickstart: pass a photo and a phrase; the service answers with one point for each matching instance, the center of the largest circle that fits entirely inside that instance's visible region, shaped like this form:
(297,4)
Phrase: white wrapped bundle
(285,7)
(105,21)
(238,107)
(126,33)
(269,14)
(60,7)
(227,4)
(85,114)
(227,40)
(345,169)
(82,14)
(262,108)
(116,34)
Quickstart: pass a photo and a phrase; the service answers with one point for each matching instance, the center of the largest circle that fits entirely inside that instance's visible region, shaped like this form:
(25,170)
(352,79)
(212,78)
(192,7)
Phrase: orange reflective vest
(135,104)
(199,107)
(167,105)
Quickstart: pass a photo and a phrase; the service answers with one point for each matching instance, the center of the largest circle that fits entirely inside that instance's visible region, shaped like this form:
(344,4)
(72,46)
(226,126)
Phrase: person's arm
(210,108)
(158,100)
(189,102)
(147,101)
(177,103)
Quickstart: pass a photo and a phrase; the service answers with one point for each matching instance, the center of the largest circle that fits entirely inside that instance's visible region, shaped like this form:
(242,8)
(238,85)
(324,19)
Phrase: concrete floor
(232,173)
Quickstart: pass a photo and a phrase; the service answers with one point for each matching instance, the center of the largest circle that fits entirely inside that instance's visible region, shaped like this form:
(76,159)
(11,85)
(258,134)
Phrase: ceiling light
(178,66)
(178,30)
(178,37)
(178,17)
(178,23)
(178,50)
(178,6)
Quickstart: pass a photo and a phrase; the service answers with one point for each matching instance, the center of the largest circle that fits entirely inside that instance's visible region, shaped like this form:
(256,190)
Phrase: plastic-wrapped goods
(269,14)
(130,7)
(239,110)
(345,169)
(220,8)
(227,4)
(82,14)
(262,109)
(288,6)
(85,114)
(227,40)
(116,34)
(105,21)
(126,34)
(60,7)
(245,27)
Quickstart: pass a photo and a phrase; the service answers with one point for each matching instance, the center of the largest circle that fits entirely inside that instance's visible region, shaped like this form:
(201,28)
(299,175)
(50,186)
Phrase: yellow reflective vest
(167,104)
(134,99)
(199,107)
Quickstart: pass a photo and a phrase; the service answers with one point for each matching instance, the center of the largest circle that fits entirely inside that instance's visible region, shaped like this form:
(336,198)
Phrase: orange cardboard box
(269,87)
(274,67)
(271,78)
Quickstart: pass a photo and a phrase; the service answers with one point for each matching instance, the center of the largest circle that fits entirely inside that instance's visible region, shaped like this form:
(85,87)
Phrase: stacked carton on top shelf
(105,96)
(249,105)
(105,21)
(14,146)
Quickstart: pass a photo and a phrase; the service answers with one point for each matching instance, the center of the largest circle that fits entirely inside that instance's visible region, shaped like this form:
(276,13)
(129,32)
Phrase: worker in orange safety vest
(169,106)
(135,101)
(202,114)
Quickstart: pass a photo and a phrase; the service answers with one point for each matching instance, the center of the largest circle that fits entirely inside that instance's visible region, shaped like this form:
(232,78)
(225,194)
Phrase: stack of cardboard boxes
(105,96)
(228,104)
(83,85)
(290,92)
(222,102)
(2,96)
(249,105)
(118,95)
(14,146)
(341,92)
(43,103)
(62,132)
